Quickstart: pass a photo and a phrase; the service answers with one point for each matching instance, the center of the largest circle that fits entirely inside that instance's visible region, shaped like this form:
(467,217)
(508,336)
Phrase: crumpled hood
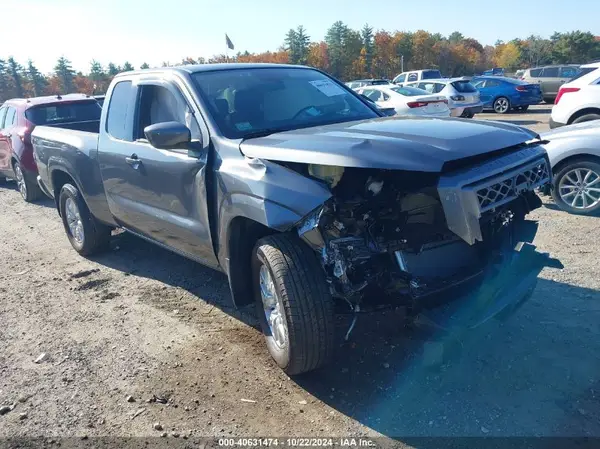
(400,143)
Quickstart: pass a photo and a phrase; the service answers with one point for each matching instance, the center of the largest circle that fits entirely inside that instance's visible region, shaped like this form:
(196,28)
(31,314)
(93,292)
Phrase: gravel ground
(536,118)
(141,342)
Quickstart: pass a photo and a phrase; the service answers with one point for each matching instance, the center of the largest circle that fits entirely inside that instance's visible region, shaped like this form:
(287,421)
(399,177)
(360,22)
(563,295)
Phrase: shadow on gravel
(534,375)
(519,122)
(135,256)
(43,201)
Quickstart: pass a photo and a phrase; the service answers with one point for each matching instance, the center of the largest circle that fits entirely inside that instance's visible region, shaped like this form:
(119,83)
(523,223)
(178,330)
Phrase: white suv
(579,99)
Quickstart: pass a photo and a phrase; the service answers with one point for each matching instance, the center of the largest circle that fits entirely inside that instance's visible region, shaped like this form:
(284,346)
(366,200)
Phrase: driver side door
(161,194)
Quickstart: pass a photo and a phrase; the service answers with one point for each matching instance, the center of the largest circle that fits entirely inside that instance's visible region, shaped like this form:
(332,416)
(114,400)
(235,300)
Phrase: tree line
(345,53)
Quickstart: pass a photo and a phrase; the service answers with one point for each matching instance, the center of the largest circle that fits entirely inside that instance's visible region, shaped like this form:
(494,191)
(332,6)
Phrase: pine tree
(15,73)
(367,42)
(302,43)
(4,84)
(65,73)
(113,69)
(37,80)
(291,46)
(144,66)
(127,67)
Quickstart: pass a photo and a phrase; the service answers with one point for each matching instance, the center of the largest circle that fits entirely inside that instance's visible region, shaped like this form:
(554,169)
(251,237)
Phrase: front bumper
(501,293)
(554,124)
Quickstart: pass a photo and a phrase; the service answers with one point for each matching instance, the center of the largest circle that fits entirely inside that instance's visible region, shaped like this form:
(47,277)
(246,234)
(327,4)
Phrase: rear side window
(464,87)
(408,91)
(431,74)
(372,94)
(11,117)
(550,72)
(116,122)
(2,115)
(438,88)
(568,72)
(413,77)
(535,73)
(59,113)
(582,72)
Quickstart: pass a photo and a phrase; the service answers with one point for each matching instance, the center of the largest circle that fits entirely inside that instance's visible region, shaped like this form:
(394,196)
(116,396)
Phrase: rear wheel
(577,187)
(28,189)
(86,235)
(522,108)
(587,118)
(501,105)
(294,306)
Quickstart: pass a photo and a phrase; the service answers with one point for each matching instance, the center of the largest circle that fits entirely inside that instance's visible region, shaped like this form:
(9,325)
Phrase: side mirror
(168,135)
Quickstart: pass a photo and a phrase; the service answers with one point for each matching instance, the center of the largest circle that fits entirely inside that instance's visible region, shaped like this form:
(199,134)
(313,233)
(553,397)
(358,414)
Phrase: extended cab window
(61,113)
(116,123)
(413,77)
(244,102)
(157,104)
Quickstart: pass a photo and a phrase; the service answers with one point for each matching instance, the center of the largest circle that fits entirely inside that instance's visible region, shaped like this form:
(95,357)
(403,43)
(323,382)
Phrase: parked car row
(303,193)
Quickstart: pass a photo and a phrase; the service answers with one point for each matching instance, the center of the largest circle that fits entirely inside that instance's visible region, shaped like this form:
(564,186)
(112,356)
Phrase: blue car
(503,94)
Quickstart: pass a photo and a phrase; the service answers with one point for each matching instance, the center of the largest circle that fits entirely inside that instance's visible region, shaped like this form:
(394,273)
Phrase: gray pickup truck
(306,197)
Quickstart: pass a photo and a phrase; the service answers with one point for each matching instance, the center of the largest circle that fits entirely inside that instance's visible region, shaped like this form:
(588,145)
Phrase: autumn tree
(37,80)
(65,74)
(318,56)
(507,56)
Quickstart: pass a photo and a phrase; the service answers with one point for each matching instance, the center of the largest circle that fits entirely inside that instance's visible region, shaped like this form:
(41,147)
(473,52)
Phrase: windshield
(464,87)
(409,91)
(246,102)
(57,113)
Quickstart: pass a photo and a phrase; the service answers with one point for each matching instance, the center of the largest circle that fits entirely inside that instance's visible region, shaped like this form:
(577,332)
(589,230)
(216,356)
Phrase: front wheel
(501,105)
(576,187)
(294,306)
(86,235)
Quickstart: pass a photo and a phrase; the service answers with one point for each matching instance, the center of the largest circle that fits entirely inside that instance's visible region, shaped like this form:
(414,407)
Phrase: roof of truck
(194,68)
(36,101)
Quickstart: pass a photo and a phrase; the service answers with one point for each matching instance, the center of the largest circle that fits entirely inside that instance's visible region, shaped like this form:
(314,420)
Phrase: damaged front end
(427,241)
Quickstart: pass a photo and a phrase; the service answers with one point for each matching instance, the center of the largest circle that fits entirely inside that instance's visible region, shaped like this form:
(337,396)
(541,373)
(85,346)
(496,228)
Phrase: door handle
(134,161)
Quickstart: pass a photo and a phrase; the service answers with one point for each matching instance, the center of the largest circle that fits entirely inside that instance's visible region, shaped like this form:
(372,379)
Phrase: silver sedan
(574,153)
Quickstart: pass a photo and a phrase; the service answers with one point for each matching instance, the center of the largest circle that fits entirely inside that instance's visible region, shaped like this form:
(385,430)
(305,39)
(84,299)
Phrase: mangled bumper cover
(503,290)
(466,195)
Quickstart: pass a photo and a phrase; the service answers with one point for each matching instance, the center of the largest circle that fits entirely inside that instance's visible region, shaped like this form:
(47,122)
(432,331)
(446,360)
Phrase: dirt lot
(536,117)
(139,326)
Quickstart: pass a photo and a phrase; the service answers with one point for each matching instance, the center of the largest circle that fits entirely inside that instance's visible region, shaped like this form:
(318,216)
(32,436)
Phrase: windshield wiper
(263,133)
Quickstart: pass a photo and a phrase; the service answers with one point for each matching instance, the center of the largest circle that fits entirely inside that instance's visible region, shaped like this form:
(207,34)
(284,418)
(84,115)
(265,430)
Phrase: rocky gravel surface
(139,342)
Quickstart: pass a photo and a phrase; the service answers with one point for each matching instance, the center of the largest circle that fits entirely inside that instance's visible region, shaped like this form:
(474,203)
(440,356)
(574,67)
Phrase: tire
(91,236)
(587,118)
(302,303)
(523,108)
(549,100)
(567,176)
(28,189)
(501,105)
(467,115)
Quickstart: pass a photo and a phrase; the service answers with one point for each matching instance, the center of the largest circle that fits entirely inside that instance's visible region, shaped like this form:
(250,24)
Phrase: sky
(154,31)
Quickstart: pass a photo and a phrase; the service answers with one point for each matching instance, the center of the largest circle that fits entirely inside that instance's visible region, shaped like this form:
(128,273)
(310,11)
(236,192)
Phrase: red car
(18,118)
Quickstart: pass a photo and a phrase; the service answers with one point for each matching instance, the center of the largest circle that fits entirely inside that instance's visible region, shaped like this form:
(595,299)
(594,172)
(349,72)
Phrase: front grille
(467,193)
(505,190)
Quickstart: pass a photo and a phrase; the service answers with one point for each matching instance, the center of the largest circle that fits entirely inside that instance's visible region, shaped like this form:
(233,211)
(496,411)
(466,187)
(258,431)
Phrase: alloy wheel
(74,221)
(21,181)
(580,188)
(273,308)
(501,105)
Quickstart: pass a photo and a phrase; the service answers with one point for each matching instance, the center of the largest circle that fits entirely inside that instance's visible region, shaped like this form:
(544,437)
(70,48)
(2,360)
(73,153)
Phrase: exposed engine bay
(384,236)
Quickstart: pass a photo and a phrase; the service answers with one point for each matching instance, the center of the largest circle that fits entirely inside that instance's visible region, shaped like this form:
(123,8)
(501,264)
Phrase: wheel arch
(580,157)
(242,235)
(581,113)
(58,178)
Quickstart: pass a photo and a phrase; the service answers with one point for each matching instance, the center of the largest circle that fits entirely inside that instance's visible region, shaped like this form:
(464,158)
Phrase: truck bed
(92,126)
